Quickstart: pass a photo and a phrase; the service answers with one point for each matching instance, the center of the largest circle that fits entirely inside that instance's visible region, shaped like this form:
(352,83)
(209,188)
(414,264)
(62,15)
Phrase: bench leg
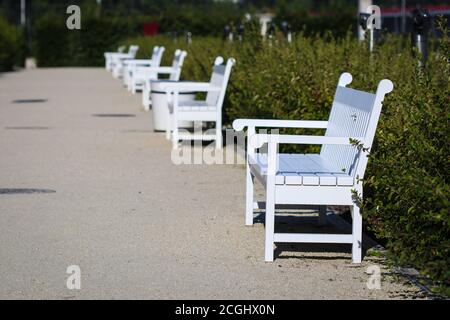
(129,88)
(175,136)
(128,82)
(219,134)
(146,98)
(270,221)
(169,127)
(322,215)
(249,198)
(117,71)
(357,235)
(125,78)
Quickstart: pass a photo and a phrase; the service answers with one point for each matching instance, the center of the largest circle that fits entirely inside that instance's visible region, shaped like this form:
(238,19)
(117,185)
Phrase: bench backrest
(132,50)
(354,114)
(177,64)
(219,78)
(157,56)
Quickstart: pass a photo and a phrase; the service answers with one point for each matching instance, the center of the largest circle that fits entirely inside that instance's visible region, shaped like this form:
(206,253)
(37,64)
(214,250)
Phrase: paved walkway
(79,187)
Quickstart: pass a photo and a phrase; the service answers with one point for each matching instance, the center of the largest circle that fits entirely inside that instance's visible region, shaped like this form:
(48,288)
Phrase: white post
(264,19)
(23,16)
(362,7)
(403,16)
(99,7)
(371,39)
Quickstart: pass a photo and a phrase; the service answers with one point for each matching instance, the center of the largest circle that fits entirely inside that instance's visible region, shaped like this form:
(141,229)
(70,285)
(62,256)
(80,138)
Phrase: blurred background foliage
(12,45)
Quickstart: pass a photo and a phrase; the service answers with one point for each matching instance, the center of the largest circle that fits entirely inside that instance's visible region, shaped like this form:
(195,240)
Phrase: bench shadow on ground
(306,221)
(11,191)
(114,115)
(28,101)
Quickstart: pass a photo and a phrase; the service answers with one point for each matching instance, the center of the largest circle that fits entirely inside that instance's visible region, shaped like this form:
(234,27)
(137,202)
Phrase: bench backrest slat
(132,50)
(219,78)
(157,56)
(354,114)
(177,64)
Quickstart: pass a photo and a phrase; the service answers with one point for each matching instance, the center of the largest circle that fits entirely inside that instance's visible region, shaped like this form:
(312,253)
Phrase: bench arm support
(173,89)
(159,70)
(180,87)
(257,140)
(137,62)
(240,124)
(118,55)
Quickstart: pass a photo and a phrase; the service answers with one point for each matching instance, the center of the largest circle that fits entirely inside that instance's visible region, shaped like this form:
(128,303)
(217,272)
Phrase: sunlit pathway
(85,181)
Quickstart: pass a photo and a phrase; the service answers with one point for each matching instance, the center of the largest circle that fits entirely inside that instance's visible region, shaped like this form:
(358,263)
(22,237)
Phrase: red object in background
(151,28)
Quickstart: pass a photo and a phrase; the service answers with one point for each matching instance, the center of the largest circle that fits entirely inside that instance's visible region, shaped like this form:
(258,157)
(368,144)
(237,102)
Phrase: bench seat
(301,169)
(195,105)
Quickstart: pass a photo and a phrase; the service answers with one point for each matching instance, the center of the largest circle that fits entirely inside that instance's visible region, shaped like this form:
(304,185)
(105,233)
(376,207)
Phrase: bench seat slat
(288,172)
(302,169)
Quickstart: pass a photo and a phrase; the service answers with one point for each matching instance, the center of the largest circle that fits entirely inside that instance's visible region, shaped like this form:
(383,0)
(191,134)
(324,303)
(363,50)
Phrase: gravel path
(81,187)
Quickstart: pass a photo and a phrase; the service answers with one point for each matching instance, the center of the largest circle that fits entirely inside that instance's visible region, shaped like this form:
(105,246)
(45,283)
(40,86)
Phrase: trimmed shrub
(12,46)
(55,45)
(96,36)
(51,42)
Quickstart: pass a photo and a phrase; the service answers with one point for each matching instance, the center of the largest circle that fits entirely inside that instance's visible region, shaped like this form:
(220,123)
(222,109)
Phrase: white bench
(143,76)
(108,57)
(328,178)
(115,59)
(209,110)
(130,66)
(120,64)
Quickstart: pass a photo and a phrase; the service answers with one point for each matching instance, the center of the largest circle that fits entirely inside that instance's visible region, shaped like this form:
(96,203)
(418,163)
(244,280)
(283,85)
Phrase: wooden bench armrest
(177,87)
(165,70)
(138,62)
(126,57)
(118,54)
(240,124)
(111,53)
(257,140)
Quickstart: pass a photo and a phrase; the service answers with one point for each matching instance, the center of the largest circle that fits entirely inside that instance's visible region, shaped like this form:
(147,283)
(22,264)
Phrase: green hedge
(406,186)
(56,46)
(336,18)
(12,46)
